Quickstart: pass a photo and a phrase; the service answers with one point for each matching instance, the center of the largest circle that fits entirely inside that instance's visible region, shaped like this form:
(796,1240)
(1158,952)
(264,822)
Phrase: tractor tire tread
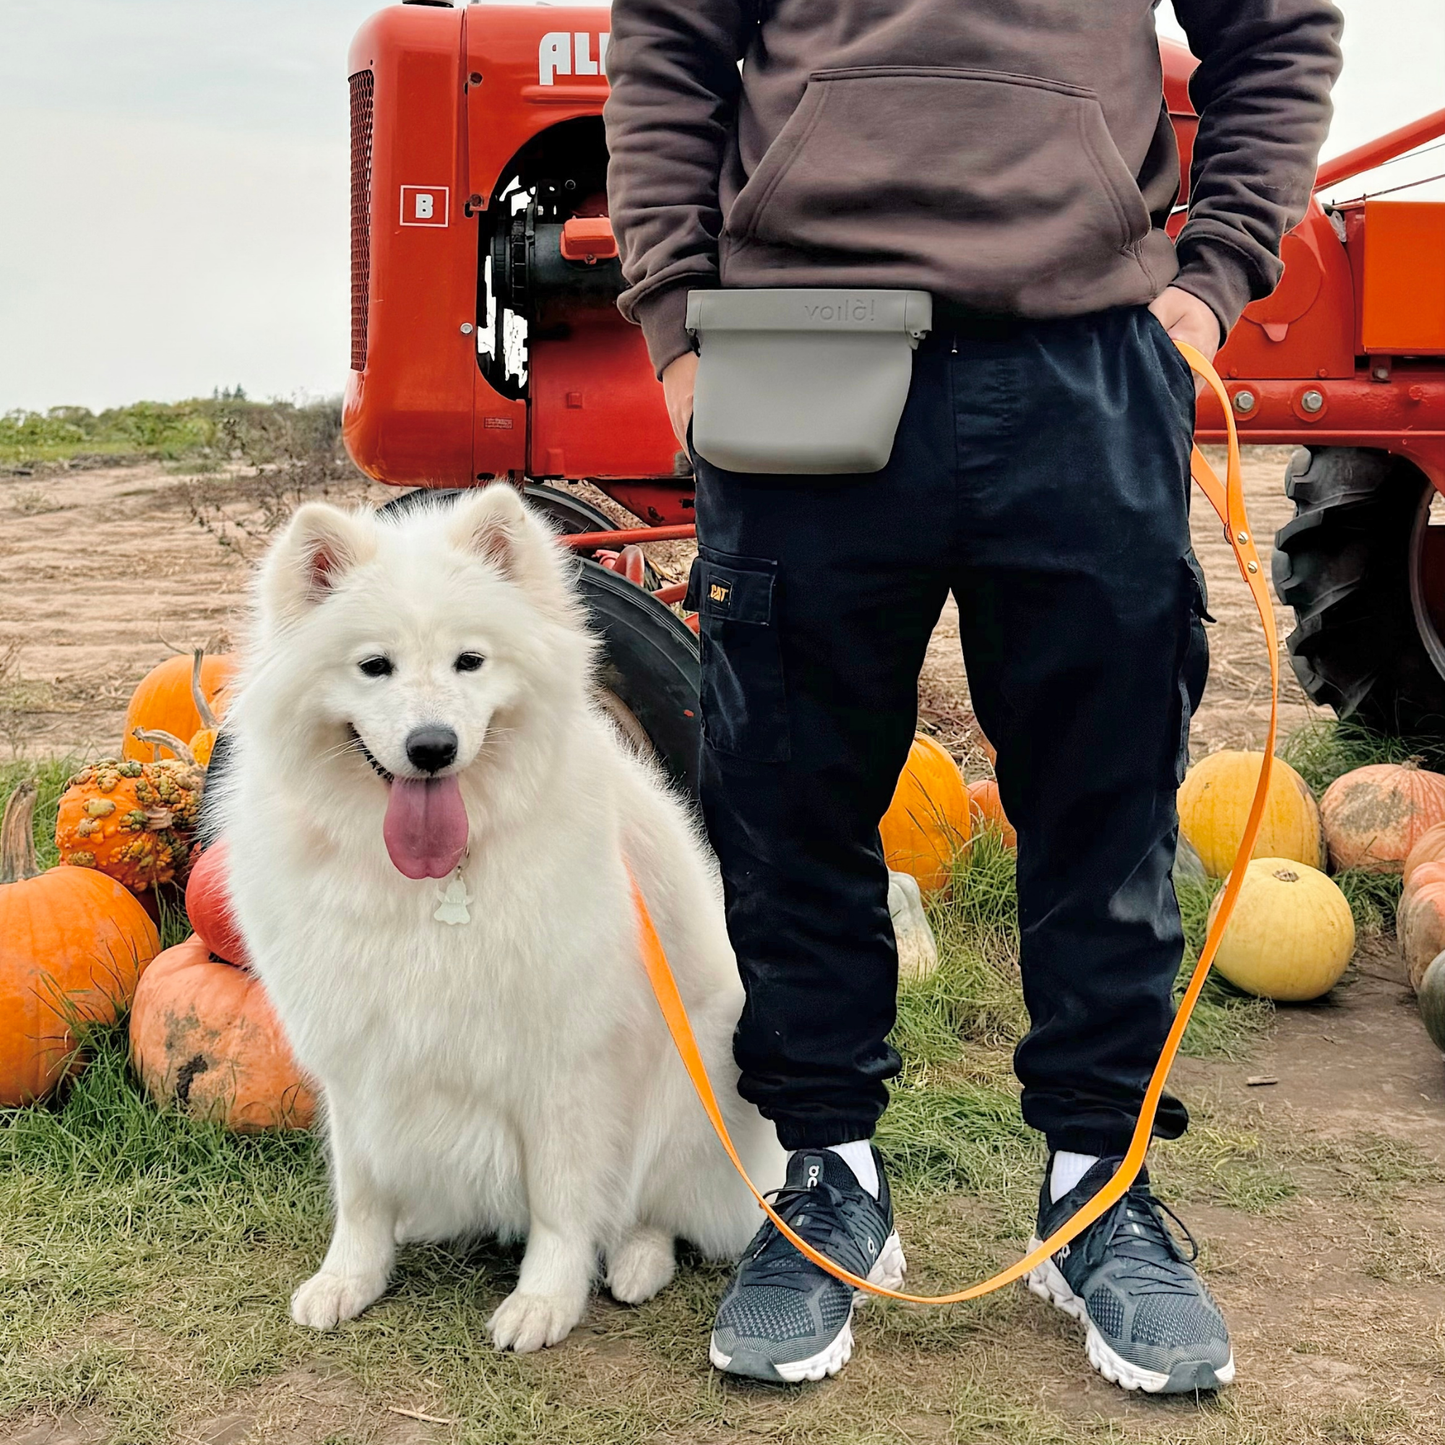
(1342,564)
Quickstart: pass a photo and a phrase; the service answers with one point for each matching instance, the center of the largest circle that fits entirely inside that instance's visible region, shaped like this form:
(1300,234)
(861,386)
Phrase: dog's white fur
(511,1075)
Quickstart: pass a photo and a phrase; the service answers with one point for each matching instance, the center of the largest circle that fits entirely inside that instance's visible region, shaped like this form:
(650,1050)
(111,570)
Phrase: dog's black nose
(431,748)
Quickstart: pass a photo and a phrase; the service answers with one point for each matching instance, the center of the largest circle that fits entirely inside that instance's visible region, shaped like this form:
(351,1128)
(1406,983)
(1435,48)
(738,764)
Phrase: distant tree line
(226,426)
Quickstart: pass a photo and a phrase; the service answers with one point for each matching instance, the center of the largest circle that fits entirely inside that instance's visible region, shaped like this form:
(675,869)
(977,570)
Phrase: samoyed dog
(431,827)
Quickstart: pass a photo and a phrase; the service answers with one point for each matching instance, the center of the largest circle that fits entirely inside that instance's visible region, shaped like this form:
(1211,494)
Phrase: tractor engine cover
(485,336)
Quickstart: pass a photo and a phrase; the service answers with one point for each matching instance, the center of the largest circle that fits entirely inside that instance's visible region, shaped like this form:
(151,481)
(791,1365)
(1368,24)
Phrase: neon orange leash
(1227,499)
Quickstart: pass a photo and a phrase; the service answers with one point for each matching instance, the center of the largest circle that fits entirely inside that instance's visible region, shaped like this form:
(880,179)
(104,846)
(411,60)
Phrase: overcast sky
(174,186)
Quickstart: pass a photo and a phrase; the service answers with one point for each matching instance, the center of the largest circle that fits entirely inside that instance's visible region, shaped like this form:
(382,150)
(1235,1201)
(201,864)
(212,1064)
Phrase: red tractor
(486,344)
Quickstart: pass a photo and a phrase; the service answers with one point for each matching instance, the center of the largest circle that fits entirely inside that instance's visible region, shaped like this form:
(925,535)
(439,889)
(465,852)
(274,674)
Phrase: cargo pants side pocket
(744,698)
(1194,666)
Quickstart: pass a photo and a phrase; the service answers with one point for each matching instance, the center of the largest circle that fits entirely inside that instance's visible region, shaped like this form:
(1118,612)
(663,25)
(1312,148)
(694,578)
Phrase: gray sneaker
(1152,1325)
(784,1319)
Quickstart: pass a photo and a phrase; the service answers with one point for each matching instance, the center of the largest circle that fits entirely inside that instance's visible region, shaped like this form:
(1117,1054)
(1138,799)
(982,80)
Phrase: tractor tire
(573,515)
(570,514)
(649,671)
(1352,565)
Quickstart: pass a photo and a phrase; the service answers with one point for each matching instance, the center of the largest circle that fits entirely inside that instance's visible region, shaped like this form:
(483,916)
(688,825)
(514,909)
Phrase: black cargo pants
(1041,473)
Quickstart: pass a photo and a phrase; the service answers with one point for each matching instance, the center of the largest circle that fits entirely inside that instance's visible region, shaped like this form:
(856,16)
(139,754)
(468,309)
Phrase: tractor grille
(362,85)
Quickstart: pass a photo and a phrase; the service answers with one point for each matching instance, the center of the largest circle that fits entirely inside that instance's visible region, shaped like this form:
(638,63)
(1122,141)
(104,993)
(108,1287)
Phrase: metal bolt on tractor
(486,344)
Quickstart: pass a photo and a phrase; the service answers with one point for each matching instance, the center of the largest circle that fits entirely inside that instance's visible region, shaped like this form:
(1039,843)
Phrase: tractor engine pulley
(533,275)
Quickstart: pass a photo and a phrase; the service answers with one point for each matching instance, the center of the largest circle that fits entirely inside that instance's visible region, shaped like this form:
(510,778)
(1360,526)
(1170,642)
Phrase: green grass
(146,1260)
(50,777)
(212,429)
(111,1204)
(1372,898)
(1319,751)
(975,997)
(1370,1165)
(143,429)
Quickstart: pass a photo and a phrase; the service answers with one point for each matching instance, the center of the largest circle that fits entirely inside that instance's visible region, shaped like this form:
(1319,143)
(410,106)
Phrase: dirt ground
(1336,1292)
(104,572)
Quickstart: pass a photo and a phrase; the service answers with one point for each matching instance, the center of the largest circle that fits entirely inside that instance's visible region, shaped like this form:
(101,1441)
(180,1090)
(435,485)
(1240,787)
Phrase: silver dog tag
(453,905)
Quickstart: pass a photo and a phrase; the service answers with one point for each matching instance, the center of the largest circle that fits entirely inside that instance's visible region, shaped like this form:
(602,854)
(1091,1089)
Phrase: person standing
(1014,159)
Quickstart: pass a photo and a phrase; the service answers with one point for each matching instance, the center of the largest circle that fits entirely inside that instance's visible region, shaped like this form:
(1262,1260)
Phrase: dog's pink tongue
(426,826)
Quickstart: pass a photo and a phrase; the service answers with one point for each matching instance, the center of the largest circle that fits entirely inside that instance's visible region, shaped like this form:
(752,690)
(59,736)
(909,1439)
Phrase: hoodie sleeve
(672,66)
(1262,91)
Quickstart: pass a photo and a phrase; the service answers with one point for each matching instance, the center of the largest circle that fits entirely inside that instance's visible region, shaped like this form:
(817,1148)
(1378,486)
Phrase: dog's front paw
(640,1266)
(327,1299)
(526,1322)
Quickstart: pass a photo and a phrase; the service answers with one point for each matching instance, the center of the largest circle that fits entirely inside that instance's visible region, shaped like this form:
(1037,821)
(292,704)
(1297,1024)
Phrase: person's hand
(1186,318)
(678,379)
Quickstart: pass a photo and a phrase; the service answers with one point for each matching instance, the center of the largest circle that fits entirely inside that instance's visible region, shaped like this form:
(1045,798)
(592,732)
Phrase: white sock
(1067,1171)
(857,1154)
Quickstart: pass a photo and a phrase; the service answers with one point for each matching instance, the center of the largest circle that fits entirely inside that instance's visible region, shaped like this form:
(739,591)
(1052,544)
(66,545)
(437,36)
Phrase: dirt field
(1315,1174)
(104,572)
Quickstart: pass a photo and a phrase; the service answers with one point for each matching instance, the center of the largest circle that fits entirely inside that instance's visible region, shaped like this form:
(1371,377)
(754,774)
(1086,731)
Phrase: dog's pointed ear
(320,545)
(491,522)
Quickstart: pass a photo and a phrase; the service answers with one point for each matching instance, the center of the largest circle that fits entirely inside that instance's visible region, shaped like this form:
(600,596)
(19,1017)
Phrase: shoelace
(775,1260)
(1138,1234)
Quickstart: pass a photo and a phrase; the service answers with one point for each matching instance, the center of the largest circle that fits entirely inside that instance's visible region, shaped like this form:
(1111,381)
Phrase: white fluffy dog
(430,827)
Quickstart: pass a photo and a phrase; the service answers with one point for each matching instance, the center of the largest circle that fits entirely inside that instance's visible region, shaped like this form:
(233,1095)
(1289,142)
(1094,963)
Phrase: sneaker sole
(1048,1282)
(887,1273)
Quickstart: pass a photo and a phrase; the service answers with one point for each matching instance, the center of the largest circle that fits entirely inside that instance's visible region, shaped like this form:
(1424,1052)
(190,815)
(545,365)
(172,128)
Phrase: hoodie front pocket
(1013,180)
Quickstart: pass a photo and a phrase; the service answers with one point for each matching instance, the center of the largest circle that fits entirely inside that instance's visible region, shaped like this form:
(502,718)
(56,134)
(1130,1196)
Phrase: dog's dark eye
(469,661)
(376,666)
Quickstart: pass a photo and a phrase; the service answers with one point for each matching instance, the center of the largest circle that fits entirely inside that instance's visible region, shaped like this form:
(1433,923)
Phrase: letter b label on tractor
(424,205)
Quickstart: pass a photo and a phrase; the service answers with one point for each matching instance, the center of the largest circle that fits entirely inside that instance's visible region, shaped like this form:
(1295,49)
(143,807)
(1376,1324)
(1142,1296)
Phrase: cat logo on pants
(424,205)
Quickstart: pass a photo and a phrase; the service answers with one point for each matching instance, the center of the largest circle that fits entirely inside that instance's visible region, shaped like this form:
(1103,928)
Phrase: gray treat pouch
(803,381)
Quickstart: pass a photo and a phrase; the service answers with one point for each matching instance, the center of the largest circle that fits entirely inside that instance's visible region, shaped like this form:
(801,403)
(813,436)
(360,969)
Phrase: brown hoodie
(1012,156)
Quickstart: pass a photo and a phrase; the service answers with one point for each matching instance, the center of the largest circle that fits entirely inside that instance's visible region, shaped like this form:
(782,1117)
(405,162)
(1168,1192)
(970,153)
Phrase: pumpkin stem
(17,836)
(159,738)
(208,718)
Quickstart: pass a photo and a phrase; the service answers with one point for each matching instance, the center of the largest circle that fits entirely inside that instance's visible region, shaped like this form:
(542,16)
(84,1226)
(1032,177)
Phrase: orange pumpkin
(164,702)
(205,1040)
(72,943)
(1420,920)
(928,820)
(1424,873)
(202,743)
(134,821)
(1375,815)
(1429,848)
(987,808)
(208,906)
